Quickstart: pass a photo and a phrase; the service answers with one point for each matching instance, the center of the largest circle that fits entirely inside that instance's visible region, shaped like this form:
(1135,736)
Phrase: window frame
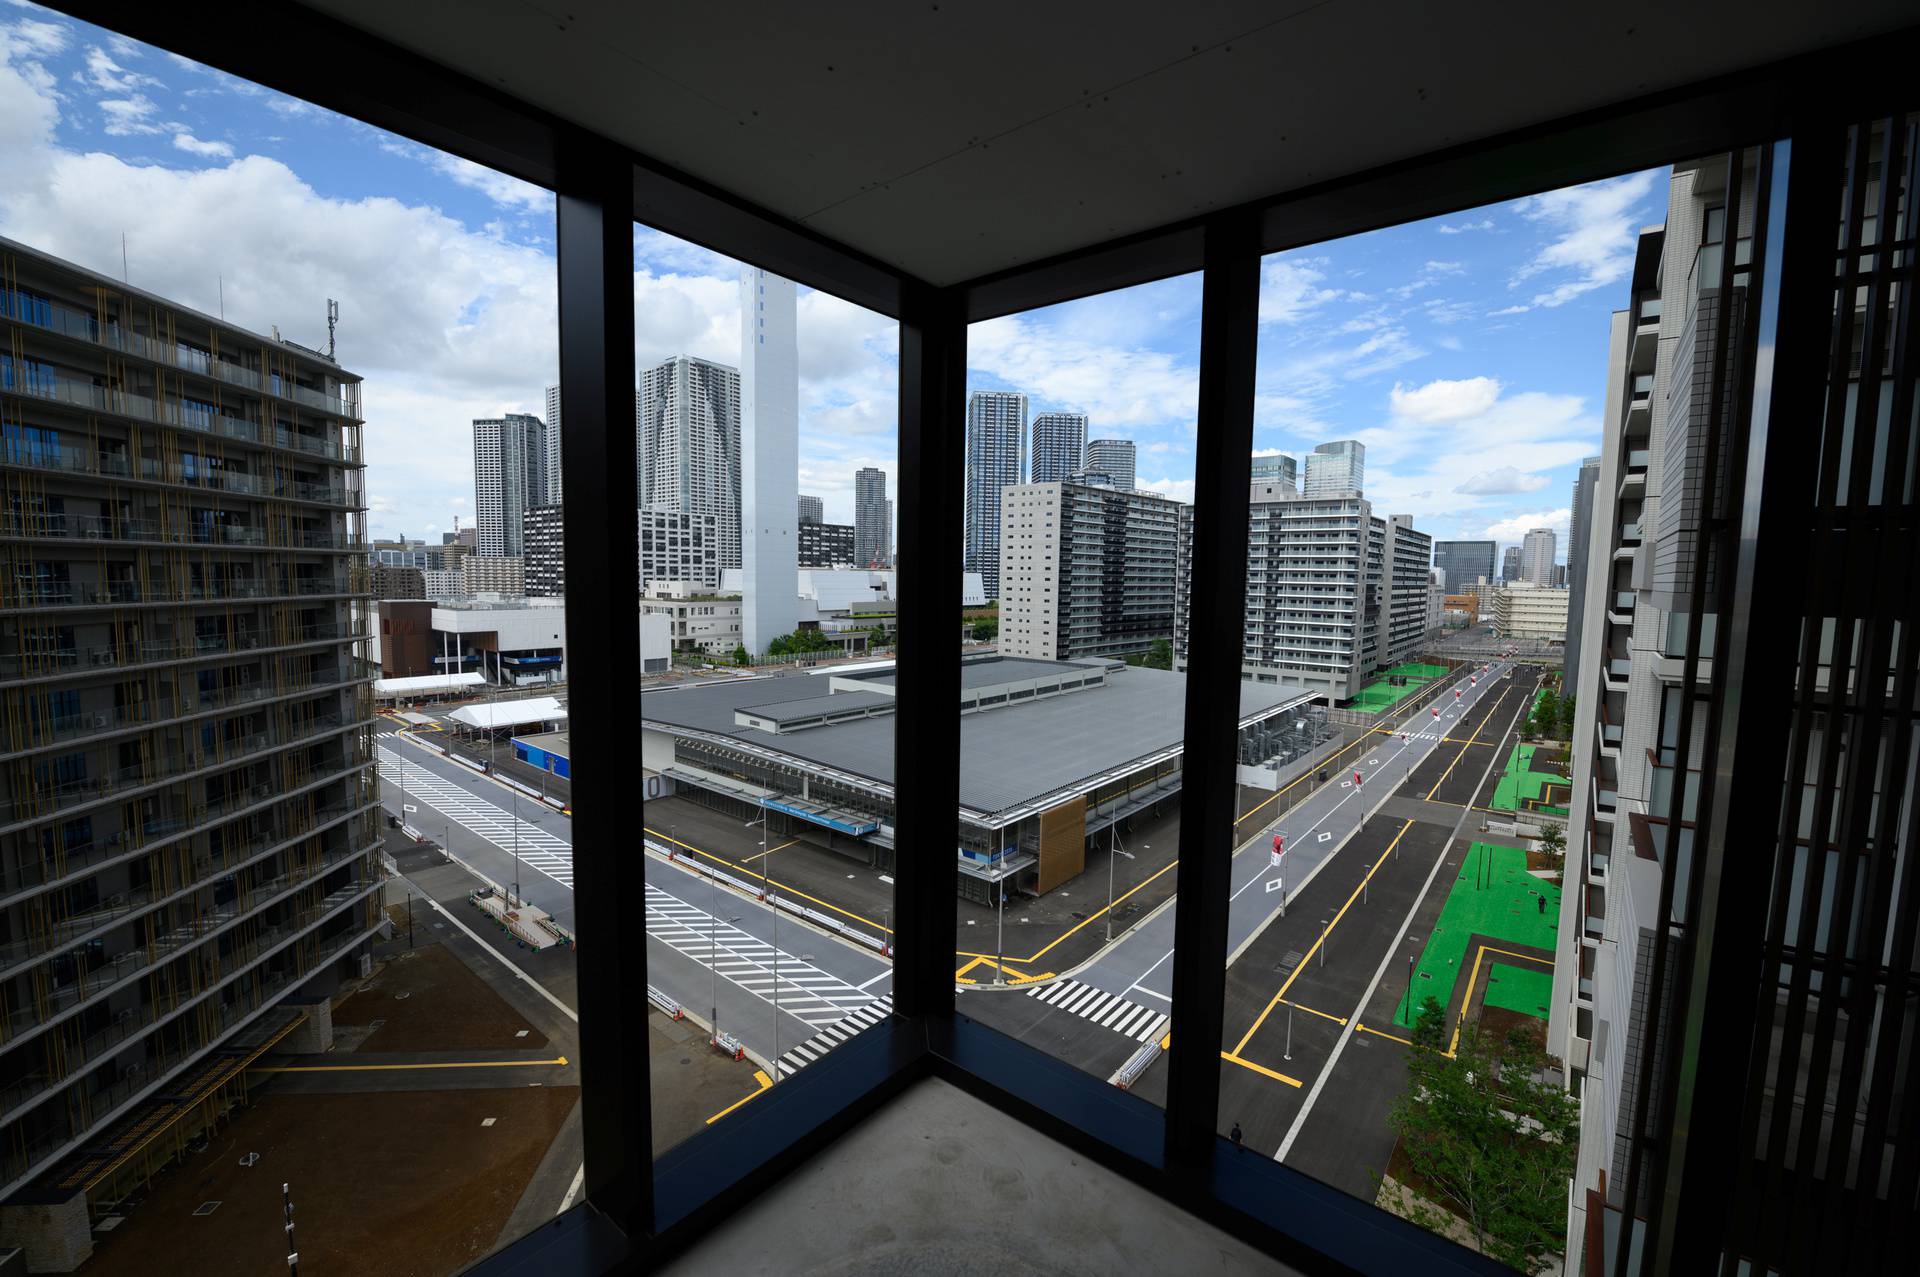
(638,1209)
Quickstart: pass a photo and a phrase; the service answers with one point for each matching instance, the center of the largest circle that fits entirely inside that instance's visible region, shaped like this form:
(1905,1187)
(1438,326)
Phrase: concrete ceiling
(958,138)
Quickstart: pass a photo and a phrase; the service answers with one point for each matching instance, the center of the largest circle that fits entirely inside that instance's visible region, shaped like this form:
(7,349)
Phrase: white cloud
(1595,231)
(108,76)
(1503,479)
(1461,228)
(1511,310)
(1444,400)
(1517,527)
(128,116)
(1444,268)
(509,192)
(1178,489)
(1289,289)
(194,146)
(33,38)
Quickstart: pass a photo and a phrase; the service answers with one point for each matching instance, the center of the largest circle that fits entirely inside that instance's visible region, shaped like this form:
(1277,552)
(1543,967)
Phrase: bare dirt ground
(432,1001)
(390,1184)
(691,1080)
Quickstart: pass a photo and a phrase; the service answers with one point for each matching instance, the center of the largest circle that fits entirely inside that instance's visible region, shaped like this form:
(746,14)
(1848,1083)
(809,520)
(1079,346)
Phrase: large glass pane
(268,882)
(765,426)
(1079,481)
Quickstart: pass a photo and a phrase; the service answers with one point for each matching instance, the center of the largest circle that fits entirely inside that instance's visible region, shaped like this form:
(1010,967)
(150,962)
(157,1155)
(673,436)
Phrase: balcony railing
(187,417)
(104,1100)
(117,593)
(82,326)
(94,527)
(49,802)
(114,466)
(65,729)
(127,656)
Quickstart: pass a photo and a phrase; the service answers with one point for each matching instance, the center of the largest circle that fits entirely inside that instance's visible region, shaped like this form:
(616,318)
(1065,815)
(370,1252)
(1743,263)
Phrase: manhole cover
(206,1208)
(1426,975)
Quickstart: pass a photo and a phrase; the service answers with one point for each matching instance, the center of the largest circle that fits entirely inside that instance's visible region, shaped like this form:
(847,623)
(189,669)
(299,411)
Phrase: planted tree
(1160,655)
(1487,1141)
(740,656)
(1553,841)
(986,630)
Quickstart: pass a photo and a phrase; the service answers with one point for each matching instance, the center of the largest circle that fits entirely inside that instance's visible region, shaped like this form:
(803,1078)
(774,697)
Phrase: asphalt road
(767,979)
(1139,965)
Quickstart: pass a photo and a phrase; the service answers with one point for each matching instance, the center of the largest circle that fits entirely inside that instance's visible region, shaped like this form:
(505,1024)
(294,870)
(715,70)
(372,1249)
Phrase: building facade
(393,582)
(677,546)
(544,566)
(811,509)
(872,519)
(822,545)
(1536,556)
(1085,571)
(1522,609)
(1277,468)
(502,574)
(1059,444)
(1340,466)
(996,443)
(188,818)
(553,494)
(1510,564)
(509,478)
(1464,562)
(1579,534)
(689,424)
(1113,458)
(1334,592)
(769,456)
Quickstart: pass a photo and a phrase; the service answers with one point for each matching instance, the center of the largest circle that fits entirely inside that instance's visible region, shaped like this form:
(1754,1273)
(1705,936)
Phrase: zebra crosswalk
(834,1034)
(1106,1009)
(548,853)
(816,997)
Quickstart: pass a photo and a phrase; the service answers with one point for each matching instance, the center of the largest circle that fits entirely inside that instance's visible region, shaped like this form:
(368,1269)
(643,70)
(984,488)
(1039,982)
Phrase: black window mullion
(933,356)
(1229,341)
(594,252)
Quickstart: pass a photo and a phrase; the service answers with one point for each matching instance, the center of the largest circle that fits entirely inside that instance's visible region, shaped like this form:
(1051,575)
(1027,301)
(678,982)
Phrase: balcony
(153,1070)
(51,802)
(1646,336)
(99,465)
(83,327)
(120,658)
(1620,608)
(93,527)
(161,413)
(39,596)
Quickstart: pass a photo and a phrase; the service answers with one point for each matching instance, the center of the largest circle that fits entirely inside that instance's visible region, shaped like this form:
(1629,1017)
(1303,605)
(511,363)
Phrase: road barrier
(1137,1063)
(728,1044)
(666,1004)
(758,889)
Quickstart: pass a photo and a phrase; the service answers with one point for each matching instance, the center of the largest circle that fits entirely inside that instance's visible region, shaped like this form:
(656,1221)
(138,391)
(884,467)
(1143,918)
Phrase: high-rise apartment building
(812,509)
(1579,534)
(677,546)
(1340,466)
(1334,592)
(189,837)
(502,574)
(821,545)
(996,435)
(1536,556)
(1464,562)
(872,518)
(689,454)
(1276,468)
(1085,571)
(1510,564)
(1059,444)
(553,449)
(1522,609)
(544,565)
(509,478)
(769,458)
(1113,458)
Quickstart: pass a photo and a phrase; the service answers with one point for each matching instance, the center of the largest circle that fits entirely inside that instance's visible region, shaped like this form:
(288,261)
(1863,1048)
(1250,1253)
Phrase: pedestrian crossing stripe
(546,852)
(834,1034)
(1105,1009)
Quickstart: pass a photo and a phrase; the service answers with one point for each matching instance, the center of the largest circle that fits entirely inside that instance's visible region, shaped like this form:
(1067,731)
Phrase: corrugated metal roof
(1010,756)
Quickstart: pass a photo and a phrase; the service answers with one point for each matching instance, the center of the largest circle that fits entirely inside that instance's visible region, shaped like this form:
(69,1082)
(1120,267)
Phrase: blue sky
(1467,352)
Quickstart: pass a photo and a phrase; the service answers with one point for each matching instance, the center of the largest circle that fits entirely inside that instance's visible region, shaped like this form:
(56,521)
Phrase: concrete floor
(939,1184)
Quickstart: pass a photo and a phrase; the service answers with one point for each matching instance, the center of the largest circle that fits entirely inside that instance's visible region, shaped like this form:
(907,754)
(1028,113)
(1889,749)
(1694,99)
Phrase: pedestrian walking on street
(1543,906)
(1234,1135)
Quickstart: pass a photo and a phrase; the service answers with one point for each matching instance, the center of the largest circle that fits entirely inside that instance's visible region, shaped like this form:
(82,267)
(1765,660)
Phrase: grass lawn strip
(1525,989)
(1506,908)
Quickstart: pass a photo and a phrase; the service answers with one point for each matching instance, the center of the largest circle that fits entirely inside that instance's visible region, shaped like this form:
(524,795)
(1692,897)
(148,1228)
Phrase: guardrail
(730,1045)
(666,1004)
(880,945)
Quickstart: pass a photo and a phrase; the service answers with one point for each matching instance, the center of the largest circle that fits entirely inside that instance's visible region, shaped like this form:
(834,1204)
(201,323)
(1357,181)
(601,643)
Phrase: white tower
(769,460)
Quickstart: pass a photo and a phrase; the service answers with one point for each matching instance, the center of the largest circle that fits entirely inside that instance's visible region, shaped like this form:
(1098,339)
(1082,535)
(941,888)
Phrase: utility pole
(1113,854)
(516,841)
(293,1252)
(1000,939)
(1409,1010)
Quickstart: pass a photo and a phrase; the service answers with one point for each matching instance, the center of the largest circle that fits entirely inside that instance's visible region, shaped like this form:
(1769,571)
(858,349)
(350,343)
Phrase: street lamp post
(1364,881)
(1000,939)
(1323,942)
(1409,1009)
(516,843)
(1289,1051)
(1113,854)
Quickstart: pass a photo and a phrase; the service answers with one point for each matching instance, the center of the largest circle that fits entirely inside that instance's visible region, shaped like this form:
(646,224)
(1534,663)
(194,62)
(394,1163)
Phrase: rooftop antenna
(124,277)
(223,297)
(333,320)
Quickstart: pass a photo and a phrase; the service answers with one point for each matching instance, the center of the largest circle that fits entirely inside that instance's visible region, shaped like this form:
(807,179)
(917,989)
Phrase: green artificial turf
(1502,905)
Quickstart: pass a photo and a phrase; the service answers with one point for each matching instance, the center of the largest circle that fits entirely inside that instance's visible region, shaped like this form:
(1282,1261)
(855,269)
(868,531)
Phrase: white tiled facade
(1085,571)
(689,424)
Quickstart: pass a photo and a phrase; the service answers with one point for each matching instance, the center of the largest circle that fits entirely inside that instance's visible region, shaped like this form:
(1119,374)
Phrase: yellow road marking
(762,1082)
(1392,1037)
(1455,740)
(382,1068)
(1166,1043)
(1463,753)
(769,851)
(1260,1068)
(1308,956)
(1324,1015)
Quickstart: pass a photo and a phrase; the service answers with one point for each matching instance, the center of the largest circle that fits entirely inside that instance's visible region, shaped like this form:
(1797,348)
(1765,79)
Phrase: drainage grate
(206,1208)
(1292,959)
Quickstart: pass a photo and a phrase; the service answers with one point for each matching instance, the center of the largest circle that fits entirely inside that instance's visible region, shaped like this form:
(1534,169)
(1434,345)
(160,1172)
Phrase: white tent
(534,709)
(425,684)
